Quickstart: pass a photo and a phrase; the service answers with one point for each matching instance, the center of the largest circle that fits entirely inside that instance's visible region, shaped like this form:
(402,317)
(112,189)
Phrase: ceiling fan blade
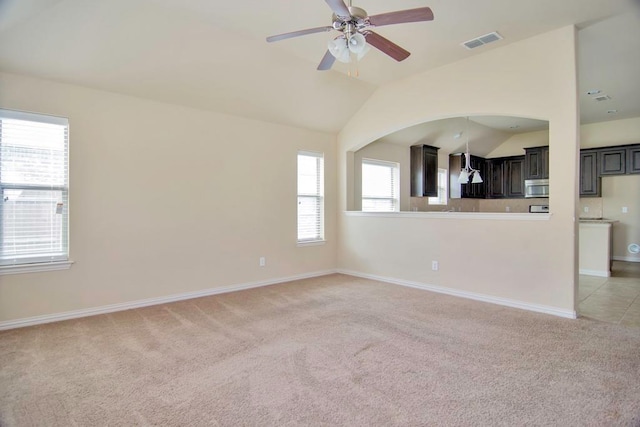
(327,62)
(298,33)
(339,8)
(402,16)
(386,46)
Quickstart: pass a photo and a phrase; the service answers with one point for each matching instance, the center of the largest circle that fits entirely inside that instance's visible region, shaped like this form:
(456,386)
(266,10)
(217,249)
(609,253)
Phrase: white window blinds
(380,186)
(34,180)
(310,196)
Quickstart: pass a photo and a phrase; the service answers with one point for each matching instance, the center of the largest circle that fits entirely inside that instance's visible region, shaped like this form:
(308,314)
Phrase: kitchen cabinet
(613,161)
(536,163)
(424,171)
(589,178)
(633,159)
(515,170)
(505,177)
(468,190)
(495,179)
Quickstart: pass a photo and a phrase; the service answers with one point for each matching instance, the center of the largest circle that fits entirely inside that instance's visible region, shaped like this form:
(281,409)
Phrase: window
(310,197)
(34,180)
(380,186)
(441,199)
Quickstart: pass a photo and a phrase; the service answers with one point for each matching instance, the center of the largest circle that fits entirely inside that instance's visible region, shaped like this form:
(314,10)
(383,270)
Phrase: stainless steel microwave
(536,188)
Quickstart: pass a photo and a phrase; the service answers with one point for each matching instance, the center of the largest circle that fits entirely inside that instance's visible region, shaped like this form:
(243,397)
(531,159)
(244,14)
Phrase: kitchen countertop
(597,220)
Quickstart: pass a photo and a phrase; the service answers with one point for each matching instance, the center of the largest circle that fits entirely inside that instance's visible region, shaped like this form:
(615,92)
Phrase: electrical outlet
(586,209)
(508,208)
(263,261)
(625,209)
(434,265)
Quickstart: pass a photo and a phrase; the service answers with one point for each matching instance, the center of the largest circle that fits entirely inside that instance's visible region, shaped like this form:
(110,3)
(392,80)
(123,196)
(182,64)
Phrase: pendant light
(468,172)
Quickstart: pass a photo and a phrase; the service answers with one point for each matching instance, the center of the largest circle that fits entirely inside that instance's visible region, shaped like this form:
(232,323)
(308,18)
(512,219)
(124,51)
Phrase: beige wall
(515,145)
(615,132)
(592,135)
(618,192)
(534,262)
(166,200)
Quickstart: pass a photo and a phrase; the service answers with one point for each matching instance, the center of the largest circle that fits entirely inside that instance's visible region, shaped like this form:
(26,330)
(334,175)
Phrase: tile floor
(615,299)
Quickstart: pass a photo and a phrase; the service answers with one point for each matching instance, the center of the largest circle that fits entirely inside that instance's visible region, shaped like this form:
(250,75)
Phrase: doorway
(615,299)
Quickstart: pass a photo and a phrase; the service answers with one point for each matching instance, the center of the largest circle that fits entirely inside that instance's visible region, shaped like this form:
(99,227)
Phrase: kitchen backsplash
(593,205)
(478,205)
(510,205)
(459,205)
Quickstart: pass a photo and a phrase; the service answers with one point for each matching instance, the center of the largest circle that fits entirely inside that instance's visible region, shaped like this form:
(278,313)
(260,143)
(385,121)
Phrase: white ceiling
(212,54)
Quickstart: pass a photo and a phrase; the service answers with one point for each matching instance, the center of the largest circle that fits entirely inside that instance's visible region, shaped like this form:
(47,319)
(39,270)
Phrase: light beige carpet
(335,350)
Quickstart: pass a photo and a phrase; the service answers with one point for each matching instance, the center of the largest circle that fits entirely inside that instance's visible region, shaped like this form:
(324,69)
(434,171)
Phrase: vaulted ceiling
(213,54)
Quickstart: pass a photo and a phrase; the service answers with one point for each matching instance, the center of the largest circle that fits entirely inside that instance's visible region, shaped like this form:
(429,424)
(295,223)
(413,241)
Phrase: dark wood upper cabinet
(514,175)
(496,188)
(613,161)
(478,190)
(505,177)
(633,159)
(536,163)
(424,171)
(589,178)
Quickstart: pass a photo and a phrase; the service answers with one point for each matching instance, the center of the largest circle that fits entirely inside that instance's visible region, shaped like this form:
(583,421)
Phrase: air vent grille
(602,98)
(482,40)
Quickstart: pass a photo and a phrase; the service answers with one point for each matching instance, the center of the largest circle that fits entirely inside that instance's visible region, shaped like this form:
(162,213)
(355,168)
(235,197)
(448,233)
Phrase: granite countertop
(598,220)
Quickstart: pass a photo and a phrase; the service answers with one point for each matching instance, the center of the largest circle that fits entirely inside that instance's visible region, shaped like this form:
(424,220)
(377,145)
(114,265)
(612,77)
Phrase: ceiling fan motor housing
(358,18)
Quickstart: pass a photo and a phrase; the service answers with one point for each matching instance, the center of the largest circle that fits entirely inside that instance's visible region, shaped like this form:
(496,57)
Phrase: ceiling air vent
(602,98)
(482,40)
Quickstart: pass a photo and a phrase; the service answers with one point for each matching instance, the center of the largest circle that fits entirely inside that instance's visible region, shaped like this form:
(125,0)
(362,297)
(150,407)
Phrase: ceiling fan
(354,23)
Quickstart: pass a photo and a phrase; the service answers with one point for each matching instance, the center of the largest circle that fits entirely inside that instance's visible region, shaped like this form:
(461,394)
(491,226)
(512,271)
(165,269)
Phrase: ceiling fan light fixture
(357,43)
(363,52)
(338,48)
(341,48)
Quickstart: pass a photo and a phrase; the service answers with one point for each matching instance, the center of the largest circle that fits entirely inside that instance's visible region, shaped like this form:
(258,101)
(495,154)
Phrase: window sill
(35,268)
(312,243)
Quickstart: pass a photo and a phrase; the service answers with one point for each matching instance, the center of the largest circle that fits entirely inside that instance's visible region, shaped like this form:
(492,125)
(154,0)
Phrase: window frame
(39,262)
(442,198)
(319,197)
(395,170)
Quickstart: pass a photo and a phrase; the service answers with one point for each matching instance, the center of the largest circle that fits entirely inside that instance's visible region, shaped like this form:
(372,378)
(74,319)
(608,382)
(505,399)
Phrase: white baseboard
(569,314)
(111,308)
(598,273)
(625,258)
